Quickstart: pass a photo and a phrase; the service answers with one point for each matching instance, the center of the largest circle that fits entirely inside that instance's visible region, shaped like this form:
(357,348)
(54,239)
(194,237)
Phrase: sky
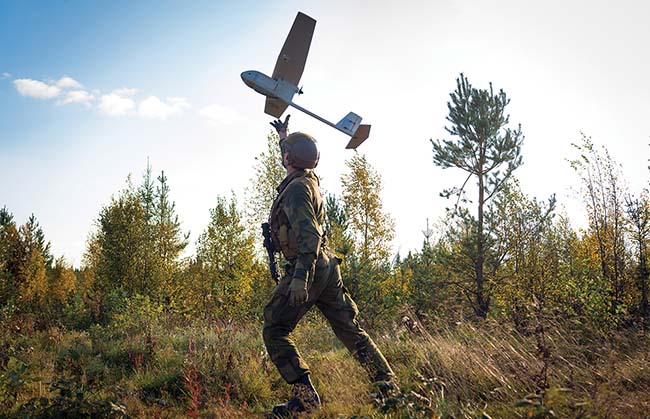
(91,91)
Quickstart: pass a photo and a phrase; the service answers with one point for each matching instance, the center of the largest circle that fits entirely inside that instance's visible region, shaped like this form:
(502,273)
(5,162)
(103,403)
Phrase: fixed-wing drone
(280,89)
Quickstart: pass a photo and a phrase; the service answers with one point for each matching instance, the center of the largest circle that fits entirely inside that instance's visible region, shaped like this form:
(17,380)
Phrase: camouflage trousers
(326,292)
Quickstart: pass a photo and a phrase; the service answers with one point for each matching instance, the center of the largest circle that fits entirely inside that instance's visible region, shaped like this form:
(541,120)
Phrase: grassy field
(166,368)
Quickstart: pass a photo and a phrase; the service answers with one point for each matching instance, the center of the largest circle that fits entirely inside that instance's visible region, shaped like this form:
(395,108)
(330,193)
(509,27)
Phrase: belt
(291,264)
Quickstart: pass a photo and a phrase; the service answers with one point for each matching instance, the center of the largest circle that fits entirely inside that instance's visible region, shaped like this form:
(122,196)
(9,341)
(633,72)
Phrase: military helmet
(302,149)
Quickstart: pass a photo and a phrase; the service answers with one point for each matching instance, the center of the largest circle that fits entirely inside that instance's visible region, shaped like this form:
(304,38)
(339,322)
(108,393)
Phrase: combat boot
(386,387)
(305,399)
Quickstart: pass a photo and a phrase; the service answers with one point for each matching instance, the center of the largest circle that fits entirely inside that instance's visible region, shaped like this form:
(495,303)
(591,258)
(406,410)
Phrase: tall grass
(174,368)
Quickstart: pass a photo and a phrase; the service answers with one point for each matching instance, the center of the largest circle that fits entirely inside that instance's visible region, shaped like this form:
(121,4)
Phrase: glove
(281,127)
(298,292)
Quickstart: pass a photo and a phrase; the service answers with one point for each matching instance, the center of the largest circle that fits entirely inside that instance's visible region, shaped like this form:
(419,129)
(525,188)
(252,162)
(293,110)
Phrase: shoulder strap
(278,198)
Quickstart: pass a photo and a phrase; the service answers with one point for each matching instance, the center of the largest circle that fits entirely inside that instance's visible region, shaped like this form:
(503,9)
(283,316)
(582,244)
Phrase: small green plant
(426,400)
(193,385)
(71,401)
(12,379)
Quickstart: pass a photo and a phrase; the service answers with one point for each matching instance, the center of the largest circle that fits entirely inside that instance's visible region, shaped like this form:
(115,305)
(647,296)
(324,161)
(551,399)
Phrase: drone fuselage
(270,87)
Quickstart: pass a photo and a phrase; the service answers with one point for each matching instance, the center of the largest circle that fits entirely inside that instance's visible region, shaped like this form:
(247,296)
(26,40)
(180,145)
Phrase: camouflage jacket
(296,221)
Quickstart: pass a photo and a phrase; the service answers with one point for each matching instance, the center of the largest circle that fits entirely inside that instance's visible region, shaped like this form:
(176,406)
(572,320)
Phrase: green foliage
(225,263)
(369,226)
(168,239)
(364,231)
(10,246)
(26,274)
(70,401)
(269,172)
(427,400)
(431,292)
(337,227)
(33,281)
(483,142)
(136,247)
(149,369)
(527,265)
(77,314)
(481,146)
(139,312)
(140,332)
(638,213)
(603,194)
(12,380)
(33,239)
(121,246)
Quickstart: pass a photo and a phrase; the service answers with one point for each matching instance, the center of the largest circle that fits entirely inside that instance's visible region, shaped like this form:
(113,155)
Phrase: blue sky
(90,90)
(65,160)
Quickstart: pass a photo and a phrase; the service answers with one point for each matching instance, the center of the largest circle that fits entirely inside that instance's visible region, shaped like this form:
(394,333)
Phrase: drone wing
(292,58)
(275,107)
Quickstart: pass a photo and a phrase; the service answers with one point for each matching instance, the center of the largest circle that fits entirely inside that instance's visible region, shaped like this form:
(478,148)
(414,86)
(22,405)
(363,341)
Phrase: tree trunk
(644,285)
(482,304)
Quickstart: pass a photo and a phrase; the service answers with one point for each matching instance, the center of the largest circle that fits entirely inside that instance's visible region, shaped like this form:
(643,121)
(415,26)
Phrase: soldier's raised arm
(282,128)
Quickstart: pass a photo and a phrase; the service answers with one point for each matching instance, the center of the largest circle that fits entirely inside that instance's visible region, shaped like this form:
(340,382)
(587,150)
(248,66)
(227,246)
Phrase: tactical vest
(283,237)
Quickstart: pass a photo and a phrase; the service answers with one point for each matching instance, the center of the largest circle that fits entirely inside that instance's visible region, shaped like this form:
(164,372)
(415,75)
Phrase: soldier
(312,277)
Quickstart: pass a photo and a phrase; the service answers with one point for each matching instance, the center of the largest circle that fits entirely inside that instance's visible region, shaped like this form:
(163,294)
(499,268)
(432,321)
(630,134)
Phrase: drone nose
(248,77)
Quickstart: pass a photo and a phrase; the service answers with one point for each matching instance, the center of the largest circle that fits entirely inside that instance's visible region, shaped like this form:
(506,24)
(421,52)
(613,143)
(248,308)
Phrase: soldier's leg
(341,312)
(279,321)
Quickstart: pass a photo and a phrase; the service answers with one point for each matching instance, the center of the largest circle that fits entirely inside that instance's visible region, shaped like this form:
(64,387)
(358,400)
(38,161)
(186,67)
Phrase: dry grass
(222,371)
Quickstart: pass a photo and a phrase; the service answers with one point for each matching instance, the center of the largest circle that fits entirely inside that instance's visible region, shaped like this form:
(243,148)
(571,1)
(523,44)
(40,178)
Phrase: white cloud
(76,96)
(154,108)
(116,104)
(219,114)
(5,75)
(179,101)
(119,102)
(36,89)
(125,92)
(66,82)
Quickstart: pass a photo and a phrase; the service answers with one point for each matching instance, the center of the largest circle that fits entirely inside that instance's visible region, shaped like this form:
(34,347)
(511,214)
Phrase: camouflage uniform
(296,220)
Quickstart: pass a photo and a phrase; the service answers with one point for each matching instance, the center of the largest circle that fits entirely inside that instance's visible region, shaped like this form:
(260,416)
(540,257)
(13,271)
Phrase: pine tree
(32,262)
(10,259)
(169,241)
(152,268)
(33,238)
(147,194)
(486,149)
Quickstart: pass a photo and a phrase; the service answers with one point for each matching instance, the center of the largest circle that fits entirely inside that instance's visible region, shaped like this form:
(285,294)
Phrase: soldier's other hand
(298,292)
(281,127)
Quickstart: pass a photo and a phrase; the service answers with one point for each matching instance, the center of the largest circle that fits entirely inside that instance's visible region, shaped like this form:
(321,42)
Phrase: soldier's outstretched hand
(281,127)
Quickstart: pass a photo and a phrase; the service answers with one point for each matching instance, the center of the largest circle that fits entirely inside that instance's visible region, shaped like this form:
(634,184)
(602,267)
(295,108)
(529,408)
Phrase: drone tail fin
(359,136)
(349,124)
